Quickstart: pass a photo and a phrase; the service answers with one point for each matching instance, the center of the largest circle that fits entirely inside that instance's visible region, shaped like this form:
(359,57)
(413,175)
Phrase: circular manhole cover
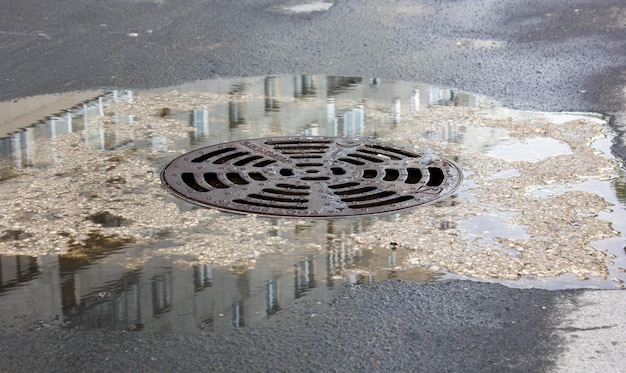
(323,177)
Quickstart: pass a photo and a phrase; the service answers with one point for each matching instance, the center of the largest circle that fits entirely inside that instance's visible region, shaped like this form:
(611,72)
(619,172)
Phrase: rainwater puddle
(532,150)
(90,238)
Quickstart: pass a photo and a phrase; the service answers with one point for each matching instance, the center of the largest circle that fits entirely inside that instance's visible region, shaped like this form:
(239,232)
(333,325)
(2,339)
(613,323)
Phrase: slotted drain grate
(322,177)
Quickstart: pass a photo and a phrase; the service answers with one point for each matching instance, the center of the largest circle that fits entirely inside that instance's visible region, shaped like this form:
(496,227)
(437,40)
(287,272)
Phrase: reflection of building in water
(21,147)
(304,277)
(304,86)
(239,315)
(199,120)
(336,85)
(446,132)
(236,106)
(118,307)
(17,269)
(271,94)
(273,301)
(29,289)
(202,276)
(350,123)
(320,106)
(161,293)
(101,291)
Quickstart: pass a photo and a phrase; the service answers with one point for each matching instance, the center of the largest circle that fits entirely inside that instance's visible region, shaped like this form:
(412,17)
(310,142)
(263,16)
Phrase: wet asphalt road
(550,55)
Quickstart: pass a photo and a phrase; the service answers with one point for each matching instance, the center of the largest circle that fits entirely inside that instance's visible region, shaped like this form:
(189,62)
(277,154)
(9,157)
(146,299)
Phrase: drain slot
(210,155)
(312,177)
(414,176)
(190,180)
(436,176)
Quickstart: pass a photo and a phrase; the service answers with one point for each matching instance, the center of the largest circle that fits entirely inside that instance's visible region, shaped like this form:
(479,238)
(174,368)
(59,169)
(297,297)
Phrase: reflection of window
(303,86)
(351,123)
(236,113)
(272,297)
(202,276)
(271,94)
(199,120)
(161,293)
(16,268)
(239,318)
(304,277)
(236,107)
(117,305)
(415,100)
(445,133)
(159,143)
(119,310)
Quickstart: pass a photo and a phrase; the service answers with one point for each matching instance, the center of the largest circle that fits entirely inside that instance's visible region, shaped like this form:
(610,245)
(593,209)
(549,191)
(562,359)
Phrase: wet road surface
(555,56)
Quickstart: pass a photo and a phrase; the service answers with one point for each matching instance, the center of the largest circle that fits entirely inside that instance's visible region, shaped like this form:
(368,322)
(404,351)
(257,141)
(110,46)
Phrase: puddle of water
(90,237)
(532,150)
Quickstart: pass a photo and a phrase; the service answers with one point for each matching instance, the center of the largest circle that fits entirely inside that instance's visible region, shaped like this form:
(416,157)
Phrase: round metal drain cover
(323,177)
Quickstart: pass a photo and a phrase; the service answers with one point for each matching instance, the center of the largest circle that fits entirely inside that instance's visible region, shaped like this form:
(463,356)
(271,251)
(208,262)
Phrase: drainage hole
(355,191)
(229,157)
(206,156)
(305,156)
(379,154)
(286,172)
(190,180)
(337,170)
(391,174)
(312,171)
(315,178)
(236,178)
(414,175)
(212,179)
(277,199)
(366,157)
(369,174)
(369,197)
(353,161)
(344,185)
(284,192)
(261,204)
(264,163)
(257,176)
(292,186)
(382,203)
(436,176)
(247,160)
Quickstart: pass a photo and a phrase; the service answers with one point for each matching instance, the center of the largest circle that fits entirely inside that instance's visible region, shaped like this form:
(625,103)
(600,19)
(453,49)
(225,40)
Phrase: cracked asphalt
(550,55)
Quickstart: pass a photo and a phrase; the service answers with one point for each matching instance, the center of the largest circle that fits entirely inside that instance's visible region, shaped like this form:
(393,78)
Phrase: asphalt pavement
(550,55)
